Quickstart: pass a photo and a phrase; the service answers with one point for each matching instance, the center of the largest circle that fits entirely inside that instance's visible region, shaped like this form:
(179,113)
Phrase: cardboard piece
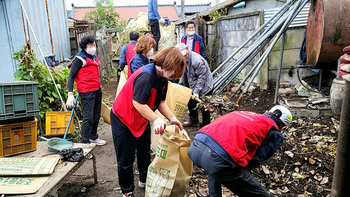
(21,166)
(21,185)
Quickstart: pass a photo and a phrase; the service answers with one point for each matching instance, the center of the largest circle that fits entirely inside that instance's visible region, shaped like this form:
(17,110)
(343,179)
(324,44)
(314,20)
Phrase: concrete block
(290,58)
(294,39)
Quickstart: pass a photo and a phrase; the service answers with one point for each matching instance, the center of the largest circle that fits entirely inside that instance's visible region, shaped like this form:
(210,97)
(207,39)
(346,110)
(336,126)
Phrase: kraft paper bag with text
(122,80)
(177,98)
(171,169)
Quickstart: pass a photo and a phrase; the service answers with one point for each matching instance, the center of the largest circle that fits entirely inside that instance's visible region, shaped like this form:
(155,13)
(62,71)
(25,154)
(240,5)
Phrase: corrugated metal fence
(49,21)
(299,21)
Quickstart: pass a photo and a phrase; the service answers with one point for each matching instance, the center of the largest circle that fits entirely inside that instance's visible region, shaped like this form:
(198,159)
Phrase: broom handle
(70,119)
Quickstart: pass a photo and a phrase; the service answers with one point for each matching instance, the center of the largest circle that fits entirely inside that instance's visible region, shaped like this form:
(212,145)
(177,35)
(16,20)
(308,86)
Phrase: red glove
(344,71)
(175,121)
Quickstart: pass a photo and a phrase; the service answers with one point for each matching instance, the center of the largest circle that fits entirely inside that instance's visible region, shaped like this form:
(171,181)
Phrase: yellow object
(18,138)
(57,122)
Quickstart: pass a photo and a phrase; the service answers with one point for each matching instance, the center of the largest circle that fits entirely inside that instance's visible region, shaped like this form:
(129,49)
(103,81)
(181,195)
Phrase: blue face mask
(188,59)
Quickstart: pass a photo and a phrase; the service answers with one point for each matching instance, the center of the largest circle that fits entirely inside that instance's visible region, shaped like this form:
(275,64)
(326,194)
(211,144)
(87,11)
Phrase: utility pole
(341,183)
(182,9)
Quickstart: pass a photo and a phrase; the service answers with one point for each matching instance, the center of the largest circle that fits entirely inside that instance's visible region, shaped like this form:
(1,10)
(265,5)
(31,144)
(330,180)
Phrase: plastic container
(18,138)
(18,99)
(57,122)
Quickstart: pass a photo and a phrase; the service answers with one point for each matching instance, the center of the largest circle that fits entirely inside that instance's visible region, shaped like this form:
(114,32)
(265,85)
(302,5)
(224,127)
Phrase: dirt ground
(302,167)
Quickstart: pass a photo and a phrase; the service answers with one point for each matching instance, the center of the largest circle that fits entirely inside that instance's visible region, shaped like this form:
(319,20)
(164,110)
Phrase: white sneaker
(142,185)
(98,142)
(130,194)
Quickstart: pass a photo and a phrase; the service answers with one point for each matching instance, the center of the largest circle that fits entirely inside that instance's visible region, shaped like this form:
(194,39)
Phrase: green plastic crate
(18,99)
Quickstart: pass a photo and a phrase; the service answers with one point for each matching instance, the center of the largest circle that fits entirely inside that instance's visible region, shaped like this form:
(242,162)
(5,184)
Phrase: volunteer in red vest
(229,146)
(127,52)
(85,71)
(144,48)
(133,110)
(193,41)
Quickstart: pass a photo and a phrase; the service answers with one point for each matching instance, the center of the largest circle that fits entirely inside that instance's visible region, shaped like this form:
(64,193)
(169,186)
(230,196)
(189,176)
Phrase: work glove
(195,96)
(70,101)
(175,121)
(159,125)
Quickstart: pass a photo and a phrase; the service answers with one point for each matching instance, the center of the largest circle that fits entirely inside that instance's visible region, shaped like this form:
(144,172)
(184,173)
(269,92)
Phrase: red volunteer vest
(196,46)
(125,110)
(130,53)
(240,133)
(88,77)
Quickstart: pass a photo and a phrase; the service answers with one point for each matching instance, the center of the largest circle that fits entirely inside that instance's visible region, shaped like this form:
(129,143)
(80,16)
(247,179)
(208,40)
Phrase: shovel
(57,144)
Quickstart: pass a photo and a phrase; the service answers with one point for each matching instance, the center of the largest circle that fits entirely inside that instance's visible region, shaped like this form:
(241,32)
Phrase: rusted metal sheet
(328,32)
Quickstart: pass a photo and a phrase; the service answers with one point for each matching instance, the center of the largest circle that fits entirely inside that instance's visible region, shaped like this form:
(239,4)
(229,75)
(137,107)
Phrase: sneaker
(190,124)
(142,185)
(98,142)
(129,194)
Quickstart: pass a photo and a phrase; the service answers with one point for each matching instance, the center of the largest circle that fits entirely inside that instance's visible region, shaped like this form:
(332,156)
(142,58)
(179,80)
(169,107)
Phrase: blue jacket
(273,140)
(197,46)
(153,10)
(122,57)
(138,61)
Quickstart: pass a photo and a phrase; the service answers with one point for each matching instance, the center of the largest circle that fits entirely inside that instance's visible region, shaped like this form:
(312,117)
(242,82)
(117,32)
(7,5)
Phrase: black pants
(235,178)
(154,23)
(192,104)
(91,102)
(125,144)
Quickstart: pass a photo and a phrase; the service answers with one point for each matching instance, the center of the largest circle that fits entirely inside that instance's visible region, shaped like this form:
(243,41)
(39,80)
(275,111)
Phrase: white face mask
(167,74)
(150,52)
(91,50)
(191,33)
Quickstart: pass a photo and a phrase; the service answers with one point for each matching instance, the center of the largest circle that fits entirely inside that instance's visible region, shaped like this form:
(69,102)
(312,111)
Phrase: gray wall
(51,31)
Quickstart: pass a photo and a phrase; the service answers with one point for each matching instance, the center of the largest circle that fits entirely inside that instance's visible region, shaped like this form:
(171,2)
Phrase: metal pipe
(279,68)
(42,54)
(283,29)
(244,56)
(283,8)
(243,66)
(341,184)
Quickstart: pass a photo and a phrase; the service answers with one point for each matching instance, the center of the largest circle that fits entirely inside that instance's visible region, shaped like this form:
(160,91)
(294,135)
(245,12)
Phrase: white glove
(195,96)
(162,21)
(70,101)
(175,121)
(159,125)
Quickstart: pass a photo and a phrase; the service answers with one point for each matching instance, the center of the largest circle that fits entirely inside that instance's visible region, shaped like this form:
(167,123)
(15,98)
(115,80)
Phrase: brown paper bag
(171,169)
(177,98)
(122,80)
(106,113)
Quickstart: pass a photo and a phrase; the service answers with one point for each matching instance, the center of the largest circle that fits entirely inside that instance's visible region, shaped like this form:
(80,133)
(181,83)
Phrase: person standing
(231,145)
(85,71)
(199,78)
(153,20)
(127,51)
(193,41)
(133,109)
(144,49)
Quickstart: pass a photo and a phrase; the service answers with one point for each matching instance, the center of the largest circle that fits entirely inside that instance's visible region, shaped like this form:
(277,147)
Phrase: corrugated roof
(126,12)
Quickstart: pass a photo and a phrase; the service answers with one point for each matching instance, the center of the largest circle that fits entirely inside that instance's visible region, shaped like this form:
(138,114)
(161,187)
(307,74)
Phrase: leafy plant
(31,69)
(105,15)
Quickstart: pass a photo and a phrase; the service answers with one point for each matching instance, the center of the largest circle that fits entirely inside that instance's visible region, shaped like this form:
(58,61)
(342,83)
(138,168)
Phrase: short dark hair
(134,35)
(85,40)
(189,23)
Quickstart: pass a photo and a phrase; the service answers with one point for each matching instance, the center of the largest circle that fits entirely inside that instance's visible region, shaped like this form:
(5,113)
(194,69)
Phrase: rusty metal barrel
(328,32)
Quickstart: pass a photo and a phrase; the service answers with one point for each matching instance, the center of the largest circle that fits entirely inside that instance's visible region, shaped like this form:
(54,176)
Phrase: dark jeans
(154,23)
(235,178)
(192,104)
(91,102)
(125,144)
